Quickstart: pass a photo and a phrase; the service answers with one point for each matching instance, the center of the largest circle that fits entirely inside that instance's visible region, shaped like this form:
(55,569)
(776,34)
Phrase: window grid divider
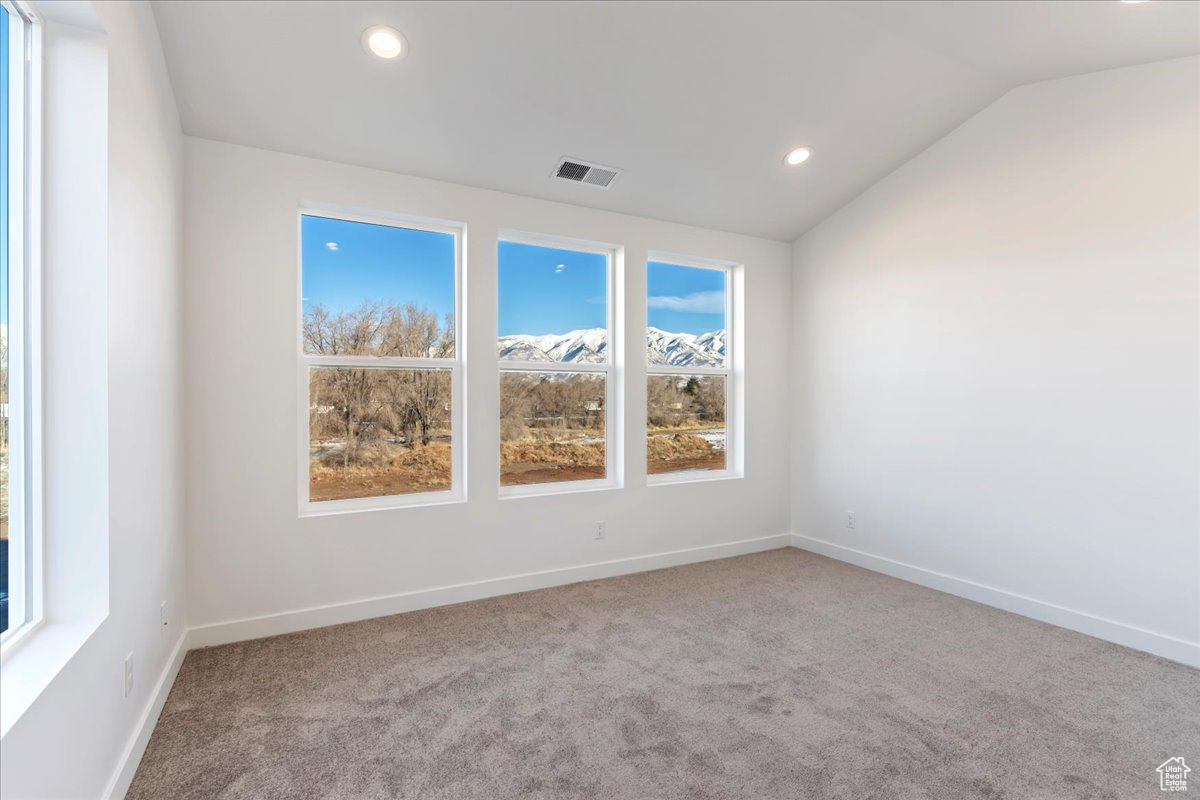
(553,366)
(379,362)
(665,369)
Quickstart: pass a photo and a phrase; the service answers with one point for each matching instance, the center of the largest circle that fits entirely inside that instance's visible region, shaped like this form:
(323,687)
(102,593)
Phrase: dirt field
(396,470)
(569,456)
(678,449)
(522,474)
(380,484)
(713,461)
(543,457)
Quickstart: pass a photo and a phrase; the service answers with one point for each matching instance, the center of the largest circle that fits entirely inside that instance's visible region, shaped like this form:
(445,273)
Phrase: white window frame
(456,366)
(612,369)
(24,335)
(731,372)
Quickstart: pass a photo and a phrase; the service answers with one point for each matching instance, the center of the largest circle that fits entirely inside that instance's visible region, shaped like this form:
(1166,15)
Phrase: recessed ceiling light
(387,43)
(797,156)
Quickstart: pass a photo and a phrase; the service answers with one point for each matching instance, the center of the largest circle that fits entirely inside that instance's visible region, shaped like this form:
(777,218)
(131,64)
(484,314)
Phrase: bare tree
(413,332)
(361,405)
(355,332)
(710,397)
(667,404)
(515,404)
(344,400)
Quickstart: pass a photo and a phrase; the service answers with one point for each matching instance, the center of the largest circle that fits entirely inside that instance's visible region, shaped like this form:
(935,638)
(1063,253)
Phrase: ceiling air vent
(576,171)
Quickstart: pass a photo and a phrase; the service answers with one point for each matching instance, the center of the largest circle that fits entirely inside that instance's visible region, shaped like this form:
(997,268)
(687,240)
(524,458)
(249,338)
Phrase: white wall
(249,555)
(996,360)
(69,741)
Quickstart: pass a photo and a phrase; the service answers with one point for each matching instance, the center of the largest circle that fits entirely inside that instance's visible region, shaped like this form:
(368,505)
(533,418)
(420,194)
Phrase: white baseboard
(122,777)
(336,614)
(292,621)
(304,619)
(1110,630)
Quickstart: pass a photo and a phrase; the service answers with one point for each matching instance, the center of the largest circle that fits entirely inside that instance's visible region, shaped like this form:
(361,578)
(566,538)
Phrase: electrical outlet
(163,619)
(850,521)
(128,674)
(600,531)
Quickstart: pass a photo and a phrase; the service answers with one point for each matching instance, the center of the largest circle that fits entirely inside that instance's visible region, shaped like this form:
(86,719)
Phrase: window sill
(692,476)
(15,639)
(28,669)
(358,505)
(554,489)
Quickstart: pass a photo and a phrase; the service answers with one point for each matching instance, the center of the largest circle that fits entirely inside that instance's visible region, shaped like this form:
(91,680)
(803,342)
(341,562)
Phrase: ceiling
(696,101)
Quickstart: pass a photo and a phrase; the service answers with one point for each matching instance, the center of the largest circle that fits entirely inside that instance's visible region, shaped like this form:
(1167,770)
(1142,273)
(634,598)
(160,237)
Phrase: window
(557,367)
(381,362)
(689,370)
(16,378)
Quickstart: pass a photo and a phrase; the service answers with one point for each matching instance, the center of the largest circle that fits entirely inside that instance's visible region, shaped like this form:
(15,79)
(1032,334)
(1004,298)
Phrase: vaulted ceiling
(696,101)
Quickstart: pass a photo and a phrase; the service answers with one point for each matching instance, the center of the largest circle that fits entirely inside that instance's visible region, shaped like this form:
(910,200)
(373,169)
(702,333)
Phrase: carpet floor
(774,675)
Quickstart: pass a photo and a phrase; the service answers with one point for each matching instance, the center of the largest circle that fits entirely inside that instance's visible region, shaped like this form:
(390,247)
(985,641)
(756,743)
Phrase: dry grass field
(670,450)
(541,456)
(550,455)
(389,469)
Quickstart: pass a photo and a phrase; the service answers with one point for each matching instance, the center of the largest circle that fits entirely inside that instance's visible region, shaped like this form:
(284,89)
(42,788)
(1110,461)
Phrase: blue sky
(3,167)
(541,289)
(345,263)
(685,299)
(548,290)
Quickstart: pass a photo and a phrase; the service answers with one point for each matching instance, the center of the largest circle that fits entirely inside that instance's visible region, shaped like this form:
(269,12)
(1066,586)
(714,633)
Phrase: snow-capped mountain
(590,346)
(685,349)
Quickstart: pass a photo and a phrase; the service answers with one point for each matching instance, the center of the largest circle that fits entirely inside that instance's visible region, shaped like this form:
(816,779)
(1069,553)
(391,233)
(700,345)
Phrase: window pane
(551,427)
(5,299)
(378,432)
(685,423)
(685,307)
(376,289)
(553,304)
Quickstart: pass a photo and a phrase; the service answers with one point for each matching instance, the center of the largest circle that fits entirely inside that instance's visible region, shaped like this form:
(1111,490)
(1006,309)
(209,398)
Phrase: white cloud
(696,302)
(332,246)
(559,268)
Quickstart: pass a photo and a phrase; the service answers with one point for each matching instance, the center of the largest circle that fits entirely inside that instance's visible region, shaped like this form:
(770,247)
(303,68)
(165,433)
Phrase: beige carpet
(776,675)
